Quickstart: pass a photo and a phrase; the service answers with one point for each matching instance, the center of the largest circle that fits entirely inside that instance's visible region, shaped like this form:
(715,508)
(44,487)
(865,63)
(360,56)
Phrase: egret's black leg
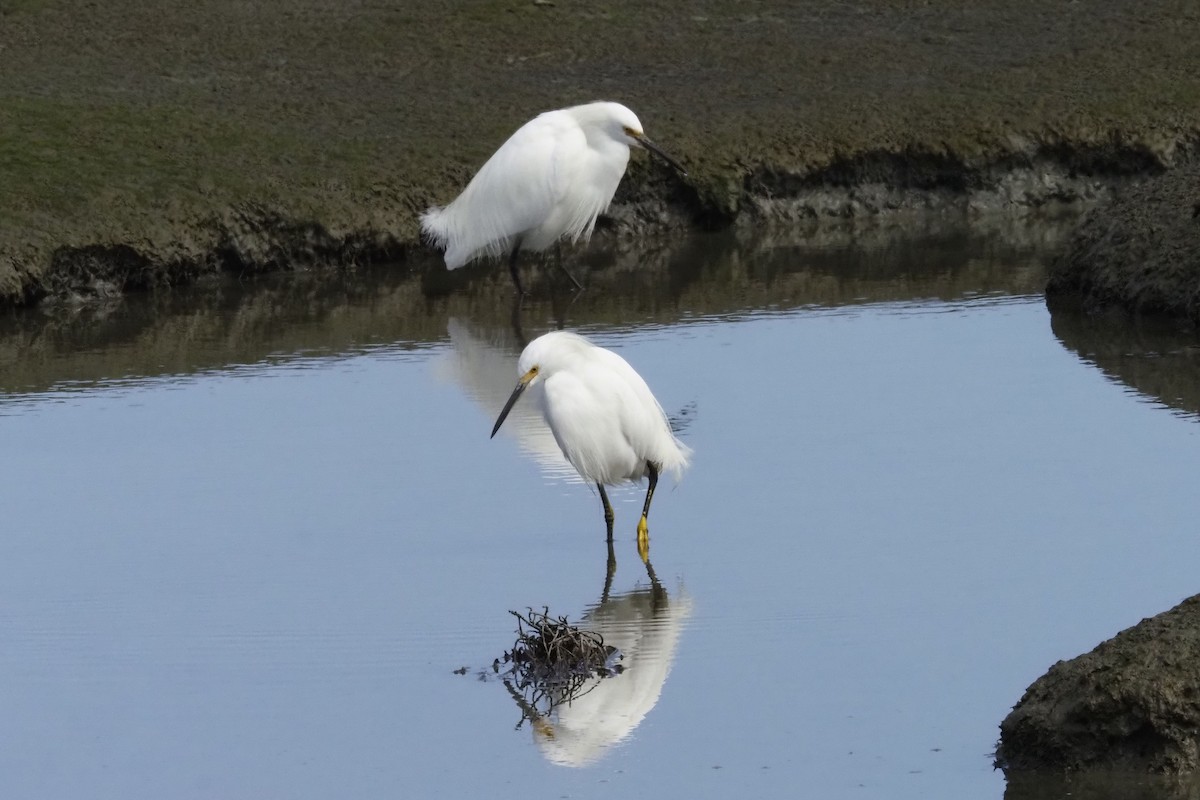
(609,517)
(558,258)
(652,472)
(643,528)
(512,268)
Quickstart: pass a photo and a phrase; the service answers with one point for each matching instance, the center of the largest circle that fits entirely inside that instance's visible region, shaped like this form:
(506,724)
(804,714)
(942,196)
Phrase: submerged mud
(182,139)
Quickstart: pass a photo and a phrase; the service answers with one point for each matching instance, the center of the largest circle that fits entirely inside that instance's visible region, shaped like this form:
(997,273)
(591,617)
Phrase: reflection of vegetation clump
(553,660)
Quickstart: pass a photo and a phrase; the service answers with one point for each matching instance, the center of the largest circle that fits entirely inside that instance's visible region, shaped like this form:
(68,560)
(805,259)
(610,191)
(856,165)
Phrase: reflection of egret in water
(484,367)
(644,624)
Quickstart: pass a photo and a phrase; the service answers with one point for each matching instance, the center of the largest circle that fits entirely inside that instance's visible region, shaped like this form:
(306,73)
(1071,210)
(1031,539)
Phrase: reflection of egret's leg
(609,517)
(512,268)
(529,712)
(518,331)
(557,311)
(558,258)
(657,593)
(610,571)
(650,574)
(643,528)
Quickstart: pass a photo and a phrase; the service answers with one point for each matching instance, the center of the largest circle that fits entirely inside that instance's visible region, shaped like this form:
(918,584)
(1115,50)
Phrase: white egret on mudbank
(550,180)
(603,416)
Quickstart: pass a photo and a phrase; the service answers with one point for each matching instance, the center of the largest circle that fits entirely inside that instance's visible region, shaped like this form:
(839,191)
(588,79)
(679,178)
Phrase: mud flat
(155,142)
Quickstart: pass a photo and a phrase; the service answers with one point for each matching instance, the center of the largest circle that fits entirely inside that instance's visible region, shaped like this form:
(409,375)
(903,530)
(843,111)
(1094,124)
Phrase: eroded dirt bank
(149,143)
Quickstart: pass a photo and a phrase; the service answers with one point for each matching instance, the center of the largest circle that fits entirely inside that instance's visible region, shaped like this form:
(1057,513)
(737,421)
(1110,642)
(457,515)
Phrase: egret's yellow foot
(542,727)
(643,539)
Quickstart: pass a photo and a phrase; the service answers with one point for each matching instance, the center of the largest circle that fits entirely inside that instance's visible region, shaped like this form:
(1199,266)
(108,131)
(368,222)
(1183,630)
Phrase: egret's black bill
(512,399)
(658,151)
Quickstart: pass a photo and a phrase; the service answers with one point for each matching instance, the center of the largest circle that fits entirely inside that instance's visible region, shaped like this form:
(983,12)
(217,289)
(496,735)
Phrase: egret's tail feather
(438,230)
(442,227)
(678,461)
(433,227)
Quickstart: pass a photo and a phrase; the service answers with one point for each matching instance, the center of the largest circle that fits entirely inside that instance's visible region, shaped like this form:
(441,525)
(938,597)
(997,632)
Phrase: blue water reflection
(259,580)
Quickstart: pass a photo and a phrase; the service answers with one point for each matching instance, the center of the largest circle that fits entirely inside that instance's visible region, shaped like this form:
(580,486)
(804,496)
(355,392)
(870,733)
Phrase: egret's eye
(631,132)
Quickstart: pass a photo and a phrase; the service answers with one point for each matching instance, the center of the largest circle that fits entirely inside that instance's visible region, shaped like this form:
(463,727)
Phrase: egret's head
(527,377)
(623,125)
(635,136)
(544,356)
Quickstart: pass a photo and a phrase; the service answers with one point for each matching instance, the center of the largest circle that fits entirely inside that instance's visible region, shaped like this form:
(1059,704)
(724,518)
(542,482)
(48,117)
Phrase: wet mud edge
(910,184)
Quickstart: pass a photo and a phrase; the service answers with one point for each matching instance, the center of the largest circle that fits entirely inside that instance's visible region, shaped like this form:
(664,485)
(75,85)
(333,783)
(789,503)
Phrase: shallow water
(252,530)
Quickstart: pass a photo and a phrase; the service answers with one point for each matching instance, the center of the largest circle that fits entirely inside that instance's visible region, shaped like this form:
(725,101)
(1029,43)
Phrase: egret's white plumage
(602,414)
(550,180)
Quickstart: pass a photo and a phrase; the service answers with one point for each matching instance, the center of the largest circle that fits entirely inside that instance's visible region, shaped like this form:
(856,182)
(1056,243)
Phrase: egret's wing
(516,190)
(580,415)
(642,419)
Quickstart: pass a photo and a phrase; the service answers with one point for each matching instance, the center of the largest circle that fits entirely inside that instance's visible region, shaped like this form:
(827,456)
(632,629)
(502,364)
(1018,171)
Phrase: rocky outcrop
(1130,705)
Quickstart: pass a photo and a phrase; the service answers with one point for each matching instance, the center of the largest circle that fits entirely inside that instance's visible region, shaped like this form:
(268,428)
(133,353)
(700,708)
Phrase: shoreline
(150,148)
(255,239)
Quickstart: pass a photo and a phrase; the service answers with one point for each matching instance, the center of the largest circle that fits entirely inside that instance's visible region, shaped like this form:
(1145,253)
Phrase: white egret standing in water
(550,180)
(603,416)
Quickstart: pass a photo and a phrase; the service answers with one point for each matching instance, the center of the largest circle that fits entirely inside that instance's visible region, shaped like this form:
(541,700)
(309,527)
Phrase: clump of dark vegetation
(553,662)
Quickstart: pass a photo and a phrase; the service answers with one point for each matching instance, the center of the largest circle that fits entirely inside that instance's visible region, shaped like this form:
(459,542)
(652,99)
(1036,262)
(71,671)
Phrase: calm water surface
(251,531)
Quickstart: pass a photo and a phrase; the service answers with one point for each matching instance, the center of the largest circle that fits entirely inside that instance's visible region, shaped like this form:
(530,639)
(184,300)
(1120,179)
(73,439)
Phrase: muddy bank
(173,140)
(1140,252)
(1131,705)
